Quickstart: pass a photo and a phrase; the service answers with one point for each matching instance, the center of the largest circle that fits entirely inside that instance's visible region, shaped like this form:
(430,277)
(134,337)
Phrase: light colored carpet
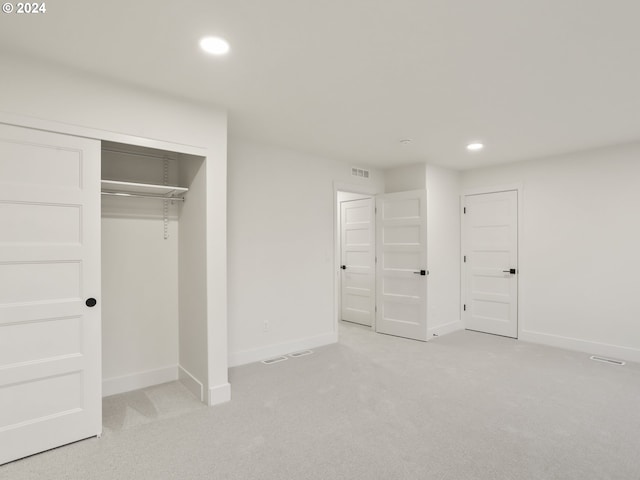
(128,410)
(463,406)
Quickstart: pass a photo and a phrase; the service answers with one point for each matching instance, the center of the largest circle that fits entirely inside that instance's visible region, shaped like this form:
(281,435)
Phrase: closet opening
(154,310)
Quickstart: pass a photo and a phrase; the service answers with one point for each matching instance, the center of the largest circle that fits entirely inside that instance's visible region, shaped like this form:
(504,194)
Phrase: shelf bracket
(165,203)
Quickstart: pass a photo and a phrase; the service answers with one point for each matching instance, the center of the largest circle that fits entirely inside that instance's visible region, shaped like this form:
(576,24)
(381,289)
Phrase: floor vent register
(607,360)
(283,357)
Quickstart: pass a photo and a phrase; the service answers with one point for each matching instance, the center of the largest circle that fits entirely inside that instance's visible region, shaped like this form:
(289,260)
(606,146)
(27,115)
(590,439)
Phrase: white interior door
(357,245)
(401,244)
(50,376)
(491,263)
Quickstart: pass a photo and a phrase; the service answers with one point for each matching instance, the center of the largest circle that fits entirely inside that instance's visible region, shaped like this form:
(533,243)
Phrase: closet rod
(133,154)
(137,195)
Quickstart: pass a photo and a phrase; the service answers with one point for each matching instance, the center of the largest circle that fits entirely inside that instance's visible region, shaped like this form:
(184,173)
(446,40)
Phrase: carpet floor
(465,406)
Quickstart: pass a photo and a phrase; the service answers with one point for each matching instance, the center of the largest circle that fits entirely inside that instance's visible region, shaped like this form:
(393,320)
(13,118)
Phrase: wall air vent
(359,172)
(607,360)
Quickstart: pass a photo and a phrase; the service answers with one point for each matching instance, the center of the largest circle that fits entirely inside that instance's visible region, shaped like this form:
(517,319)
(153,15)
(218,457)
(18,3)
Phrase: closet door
(50,378)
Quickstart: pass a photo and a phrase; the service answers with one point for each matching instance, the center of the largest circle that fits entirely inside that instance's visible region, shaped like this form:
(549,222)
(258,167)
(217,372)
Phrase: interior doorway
(380,261)
(348,196)
(357,259)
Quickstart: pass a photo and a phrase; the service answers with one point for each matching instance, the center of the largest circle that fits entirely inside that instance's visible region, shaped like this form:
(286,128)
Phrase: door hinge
(464,210)
(465,307)
(375,209)
(376,307)
(465,259)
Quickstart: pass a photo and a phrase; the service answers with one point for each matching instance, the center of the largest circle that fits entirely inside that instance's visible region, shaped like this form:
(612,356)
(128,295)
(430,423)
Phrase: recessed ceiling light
(214,45)
(475,147)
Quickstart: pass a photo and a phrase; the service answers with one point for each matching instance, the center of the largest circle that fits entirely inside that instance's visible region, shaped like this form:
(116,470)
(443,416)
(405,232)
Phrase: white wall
(402,179)
(348,196)
(139,276)
(281,249)
(192,278)
(55,94)
(139,302)
(578,251)
(443,250)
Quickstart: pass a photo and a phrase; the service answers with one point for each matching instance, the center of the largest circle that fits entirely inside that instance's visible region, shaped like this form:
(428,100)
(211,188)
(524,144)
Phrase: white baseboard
(445,329)
(191,383)
(593,348)
(219,394)
(138,380)
(255,355)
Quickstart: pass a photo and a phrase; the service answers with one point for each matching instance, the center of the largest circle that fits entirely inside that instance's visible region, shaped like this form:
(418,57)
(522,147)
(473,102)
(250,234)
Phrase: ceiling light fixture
(475,147)
(214,45)
(405,141)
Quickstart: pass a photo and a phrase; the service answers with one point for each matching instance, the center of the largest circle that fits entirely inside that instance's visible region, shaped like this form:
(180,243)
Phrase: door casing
(366,190)
(364,312)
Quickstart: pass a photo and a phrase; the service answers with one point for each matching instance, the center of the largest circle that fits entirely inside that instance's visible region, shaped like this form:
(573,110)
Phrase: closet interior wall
(140,269)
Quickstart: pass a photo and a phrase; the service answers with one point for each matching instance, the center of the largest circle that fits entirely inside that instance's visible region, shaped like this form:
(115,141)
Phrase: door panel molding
(349,188)
(518,188)
(357,269)
(401,269)
(50,376)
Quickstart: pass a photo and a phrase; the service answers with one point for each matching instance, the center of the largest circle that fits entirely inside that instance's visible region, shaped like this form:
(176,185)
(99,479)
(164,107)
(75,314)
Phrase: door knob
(344,267)
(91,302)
(512,271)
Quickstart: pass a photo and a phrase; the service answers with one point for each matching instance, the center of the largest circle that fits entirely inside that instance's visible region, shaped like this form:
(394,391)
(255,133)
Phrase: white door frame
(347,188)
(349,202)
(97,134)
(518,187)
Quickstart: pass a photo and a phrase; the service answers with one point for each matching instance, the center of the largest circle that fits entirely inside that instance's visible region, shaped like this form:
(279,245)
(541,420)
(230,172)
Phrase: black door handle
(512,271)
(344,267)
(91,302)
(421,272)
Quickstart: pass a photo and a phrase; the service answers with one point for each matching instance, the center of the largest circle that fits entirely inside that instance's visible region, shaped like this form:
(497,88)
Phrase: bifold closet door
(50,392)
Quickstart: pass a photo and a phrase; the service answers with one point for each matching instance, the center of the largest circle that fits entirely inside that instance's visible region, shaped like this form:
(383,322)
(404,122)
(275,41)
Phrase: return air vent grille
(303,353)
(359,172)
(607,360)
(274,360)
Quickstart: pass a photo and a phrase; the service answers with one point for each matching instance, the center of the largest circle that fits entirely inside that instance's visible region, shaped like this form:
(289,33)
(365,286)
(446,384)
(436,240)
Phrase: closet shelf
(143,190)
